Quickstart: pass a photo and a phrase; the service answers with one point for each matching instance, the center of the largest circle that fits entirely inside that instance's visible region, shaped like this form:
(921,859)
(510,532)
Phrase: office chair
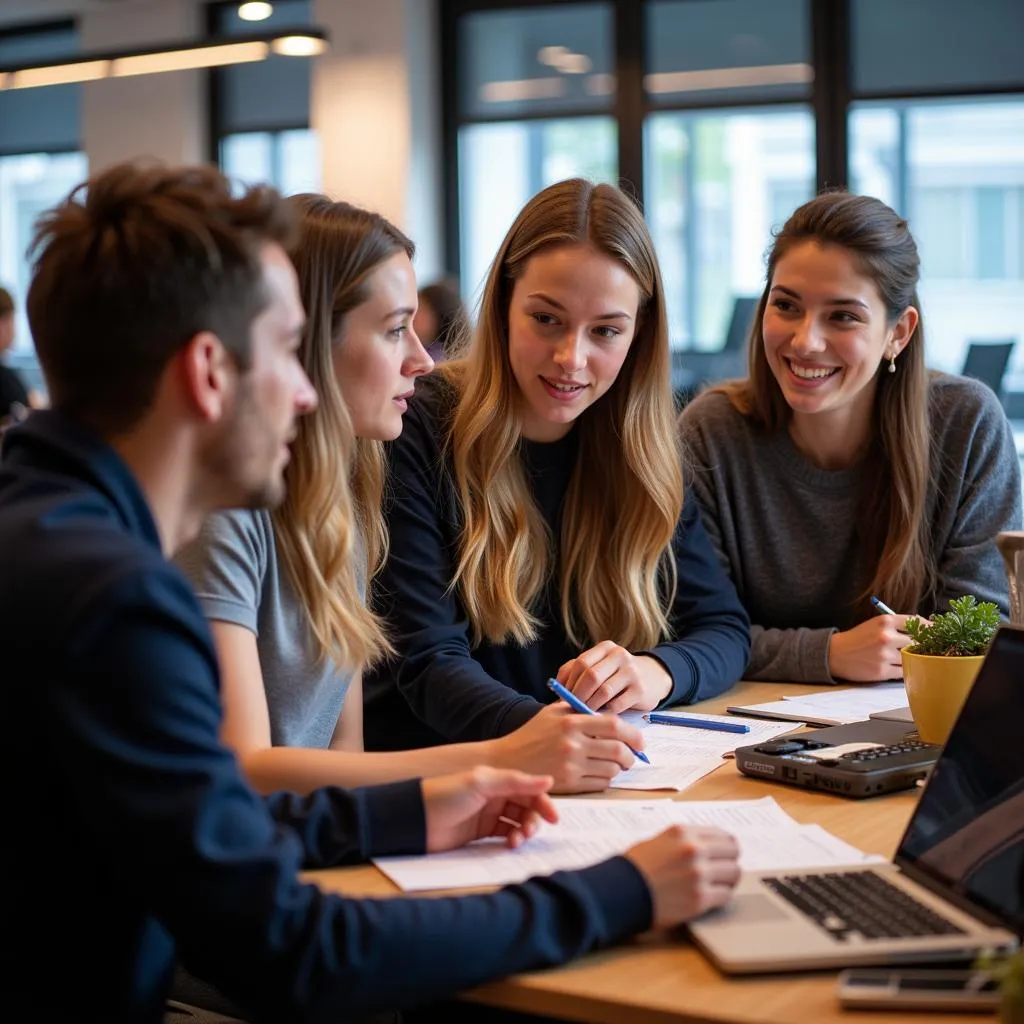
(743,309)
(987,361)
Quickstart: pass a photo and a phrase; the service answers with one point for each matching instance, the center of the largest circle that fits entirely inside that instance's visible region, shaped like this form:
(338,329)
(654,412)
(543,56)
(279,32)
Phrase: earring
(892,364)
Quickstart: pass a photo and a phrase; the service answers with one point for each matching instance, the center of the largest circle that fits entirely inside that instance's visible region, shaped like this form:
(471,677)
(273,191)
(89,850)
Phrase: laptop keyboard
(860,903)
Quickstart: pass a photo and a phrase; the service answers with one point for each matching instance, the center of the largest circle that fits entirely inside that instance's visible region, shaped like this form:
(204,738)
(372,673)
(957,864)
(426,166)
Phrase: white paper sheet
(590,831)
(833,707)
(681,756)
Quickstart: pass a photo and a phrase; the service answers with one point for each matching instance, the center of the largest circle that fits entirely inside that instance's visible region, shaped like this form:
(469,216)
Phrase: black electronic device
(858,760)
(869,988)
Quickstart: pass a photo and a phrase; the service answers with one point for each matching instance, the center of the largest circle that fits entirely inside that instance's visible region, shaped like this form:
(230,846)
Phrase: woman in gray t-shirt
(285,590)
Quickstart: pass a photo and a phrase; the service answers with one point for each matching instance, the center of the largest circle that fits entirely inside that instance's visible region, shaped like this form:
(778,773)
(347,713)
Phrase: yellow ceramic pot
(936,689)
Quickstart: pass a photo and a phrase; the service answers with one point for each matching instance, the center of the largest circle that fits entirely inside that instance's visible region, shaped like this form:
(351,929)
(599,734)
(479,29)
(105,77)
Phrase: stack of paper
(590,831)
(680,756)
(834,707)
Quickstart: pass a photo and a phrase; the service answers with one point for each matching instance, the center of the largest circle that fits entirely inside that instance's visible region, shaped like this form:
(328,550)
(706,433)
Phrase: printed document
(681,755)
(590,831)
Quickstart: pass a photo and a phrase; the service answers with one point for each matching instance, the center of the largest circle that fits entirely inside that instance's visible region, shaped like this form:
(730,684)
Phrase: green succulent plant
(1009,972)
(1012,990)
(964,631)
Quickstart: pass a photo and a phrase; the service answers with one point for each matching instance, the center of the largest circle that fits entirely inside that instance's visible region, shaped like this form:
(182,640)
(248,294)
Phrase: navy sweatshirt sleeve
(707,616)
(459,693)
(190,839)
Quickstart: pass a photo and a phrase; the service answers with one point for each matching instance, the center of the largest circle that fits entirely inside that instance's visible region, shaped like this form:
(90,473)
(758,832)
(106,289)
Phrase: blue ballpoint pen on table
(696,723)
(576,704)
(884,609)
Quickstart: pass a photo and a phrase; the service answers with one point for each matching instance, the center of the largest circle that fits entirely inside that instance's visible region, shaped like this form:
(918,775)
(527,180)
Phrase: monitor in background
(743,310)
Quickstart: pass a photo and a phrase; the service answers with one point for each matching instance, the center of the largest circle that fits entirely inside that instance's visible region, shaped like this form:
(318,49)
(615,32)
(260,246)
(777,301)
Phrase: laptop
(893,715)
(956,885)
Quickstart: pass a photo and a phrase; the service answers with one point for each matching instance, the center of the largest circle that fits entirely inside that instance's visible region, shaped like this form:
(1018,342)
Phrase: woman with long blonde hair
(284,590)
(842,469)
(537,516)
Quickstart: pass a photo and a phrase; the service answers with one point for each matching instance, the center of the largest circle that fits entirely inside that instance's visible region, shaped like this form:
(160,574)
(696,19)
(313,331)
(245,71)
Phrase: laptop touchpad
(751,908)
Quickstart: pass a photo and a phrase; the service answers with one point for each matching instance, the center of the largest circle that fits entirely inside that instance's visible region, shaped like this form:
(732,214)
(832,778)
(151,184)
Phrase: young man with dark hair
(167,319)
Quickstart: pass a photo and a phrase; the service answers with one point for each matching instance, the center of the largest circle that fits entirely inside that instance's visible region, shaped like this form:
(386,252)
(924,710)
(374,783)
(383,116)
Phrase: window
(726,115)
(40,163)
(718,184)
(704,51)
(535,91)
(501,165)
(956,170)
(260,111)
(901,45)
(289,160)
(30,184)
(718,181)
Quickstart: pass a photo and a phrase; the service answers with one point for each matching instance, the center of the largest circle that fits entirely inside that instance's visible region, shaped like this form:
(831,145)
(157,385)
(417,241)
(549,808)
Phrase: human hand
(582,753)
(689,869)
(485,802)
(608,678)
(871,651)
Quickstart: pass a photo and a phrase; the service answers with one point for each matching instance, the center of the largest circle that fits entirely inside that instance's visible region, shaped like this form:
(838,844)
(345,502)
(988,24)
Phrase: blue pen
(696,723)
(880,607)
(576,704)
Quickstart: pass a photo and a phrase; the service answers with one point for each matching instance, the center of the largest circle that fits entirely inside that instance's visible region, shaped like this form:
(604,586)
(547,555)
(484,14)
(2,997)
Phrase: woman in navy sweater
(537,514)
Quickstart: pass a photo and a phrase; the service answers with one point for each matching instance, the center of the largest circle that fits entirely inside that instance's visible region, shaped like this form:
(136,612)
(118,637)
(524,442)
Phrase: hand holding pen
(870,651)
(582,753)
(578,706)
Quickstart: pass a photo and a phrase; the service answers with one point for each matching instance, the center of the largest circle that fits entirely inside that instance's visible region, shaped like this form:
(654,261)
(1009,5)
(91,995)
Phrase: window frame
(832,95)
(215,131)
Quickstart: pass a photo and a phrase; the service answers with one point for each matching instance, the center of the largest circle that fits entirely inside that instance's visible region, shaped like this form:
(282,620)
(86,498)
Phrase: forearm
(301,770)
(792,655)
(447,945)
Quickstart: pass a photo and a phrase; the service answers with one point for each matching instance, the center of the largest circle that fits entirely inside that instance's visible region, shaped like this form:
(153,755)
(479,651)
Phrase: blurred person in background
(441,318)
(14,396)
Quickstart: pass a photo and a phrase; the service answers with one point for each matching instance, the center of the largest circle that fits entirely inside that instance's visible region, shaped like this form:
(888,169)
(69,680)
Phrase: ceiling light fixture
(298,46)
(522,89)
(255,11)
(186,56)
(728,78)
(574,64)
(551,54)
(55,74)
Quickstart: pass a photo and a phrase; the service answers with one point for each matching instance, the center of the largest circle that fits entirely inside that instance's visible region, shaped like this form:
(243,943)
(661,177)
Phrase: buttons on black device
(878,753)
(784,747)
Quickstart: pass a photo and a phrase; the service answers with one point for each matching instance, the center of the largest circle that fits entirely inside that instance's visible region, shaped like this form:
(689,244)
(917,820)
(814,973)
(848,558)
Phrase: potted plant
(939,667)
(1009,973)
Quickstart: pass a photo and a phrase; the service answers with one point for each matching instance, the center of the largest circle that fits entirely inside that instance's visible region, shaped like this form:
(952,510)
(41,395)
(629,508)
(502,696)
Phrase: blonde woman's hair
(331,516)
(616,571)
(891,522)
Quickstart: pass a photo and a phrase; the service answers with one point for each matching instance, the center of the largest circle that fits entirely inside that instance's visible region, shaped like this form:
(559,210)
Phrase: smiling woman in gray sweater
(841,467)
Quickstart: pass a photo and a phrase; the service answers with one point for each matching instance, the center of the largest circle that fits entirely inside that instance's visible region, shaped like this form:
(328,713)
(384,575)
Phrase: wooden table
(659,979)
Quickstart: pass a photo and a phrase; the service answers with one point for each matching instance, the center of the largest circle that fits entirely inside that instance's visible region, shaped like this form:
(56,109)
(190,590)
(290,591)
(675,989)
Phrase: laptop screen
(967,833)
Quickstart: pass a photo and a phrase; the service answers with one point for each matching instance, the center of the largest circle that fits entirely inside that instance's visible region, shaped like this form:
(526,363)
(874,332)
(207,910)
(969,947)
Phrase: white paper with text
(590,831)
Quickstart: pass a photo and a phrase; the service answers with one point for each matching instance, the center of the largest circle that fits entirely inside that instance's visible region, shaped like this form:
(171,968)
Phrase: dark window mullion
(830,57)
(629,62)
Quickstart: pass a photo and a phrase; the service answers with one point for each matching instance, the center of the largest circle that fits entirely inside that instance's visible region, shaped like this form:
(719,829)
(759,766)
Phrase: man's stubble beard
(228,459)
